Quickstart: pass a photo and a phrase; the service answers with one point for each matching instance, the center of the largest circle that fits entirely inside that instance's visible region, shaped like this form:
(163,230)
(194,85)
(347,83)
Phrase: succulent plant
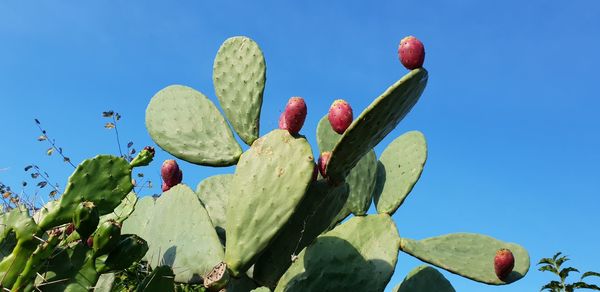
(270,223)
(47,251)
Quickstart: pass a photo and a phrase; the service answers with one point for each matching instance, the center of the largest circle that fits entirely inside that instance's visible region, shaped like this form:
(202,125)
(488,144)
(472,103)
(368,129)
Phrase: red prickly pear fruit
(504,262)
(90,241)
(323,160)
(171,174)
(340,116)
(70,228)
(411,52)
(282,124)
(295,114)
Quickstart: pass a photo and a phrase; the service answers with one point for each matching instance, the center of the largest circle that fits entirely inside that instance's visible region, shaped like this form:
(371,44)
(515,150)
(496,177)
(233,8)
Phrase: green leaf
(564,273)
(552,286)
(556,255)
(548,268)
(585,286)
(548,261)
(590,273)
(561,261)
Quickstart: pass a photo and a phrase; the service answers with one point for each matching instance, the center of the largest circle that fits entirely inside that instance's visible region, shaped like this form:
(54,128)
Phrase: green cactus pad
(362,182)
(424,279)
(261,289)
(122,211)
(326,136)
(185,123)
(178,232)
(468,255)
(239,75)
(321,203)
(361,178)
(375,122)
(270,180)
(71,270)
(213,192)
(401,166)
(358,255)
(160,280)
(104,180)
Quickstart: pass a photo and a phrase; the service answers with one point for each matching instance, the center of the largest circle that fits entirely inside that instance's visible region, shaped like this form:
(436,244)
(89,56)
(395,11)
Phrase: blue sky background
(510,112)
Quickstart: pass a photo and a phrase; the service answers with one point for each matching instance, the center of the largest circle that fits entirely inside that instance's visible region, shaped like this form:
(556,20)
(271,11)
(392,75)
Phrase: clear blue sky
(510,111)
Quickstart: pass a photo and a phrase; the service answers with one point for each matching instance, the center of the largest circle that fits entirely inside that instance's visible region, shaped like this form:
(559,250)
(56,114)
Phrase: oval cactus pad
(468,255)
(425,279)
(358,255)
(185,123)
(376,121)
(239,75)
(270,180)
(401,166)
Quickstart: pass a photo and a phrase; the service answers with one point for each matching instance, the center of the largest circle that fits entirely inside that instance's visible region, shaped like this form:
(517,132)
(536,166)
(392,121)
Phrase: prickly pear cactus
(272,222)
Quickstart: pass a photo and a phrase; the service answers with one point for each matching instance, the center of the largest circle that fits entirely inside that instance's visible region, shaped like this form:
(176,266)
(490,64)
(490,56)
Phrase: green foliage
(555,266)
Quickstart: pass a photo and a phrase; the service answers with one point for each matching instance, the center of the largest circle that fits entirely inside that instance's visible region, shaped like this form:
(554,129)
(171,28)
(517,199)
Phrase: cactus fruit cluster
(70,242)
(274,224)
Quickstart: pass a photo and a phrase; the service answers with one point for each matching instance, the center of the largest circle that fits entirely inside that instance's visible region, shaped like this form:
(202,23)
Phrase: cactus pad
(178,232)
(104,180)
(401,166)
(213,192)
(185,123)
(468,255)
(239,75)
(361,179)
(326,136)
(320,205)
(358,255)
(424,279)
(122,211)
(375,122)
(270,180)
